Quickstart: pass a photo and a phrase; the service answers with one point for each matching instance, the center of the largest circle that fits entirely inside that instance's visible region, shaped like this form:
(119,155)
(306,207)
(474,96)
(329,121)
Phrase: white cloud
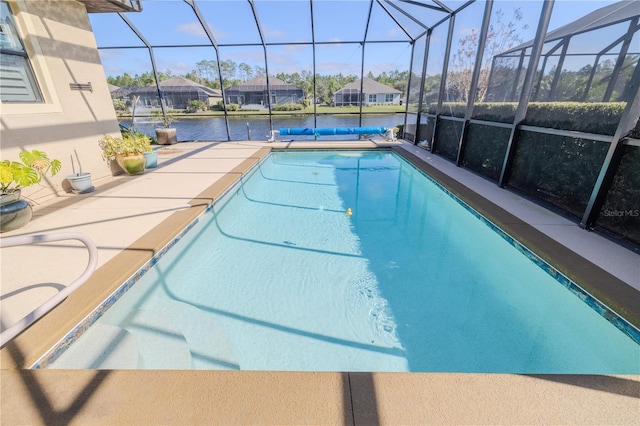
(176,67)
(273,33)
(192,28)
(196,30)
(338,67)
(294,49)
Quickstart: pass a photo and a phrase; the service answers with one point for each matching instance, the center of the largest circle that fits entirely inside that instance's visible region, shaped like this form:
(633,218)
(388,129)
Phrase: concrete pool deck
(153,207)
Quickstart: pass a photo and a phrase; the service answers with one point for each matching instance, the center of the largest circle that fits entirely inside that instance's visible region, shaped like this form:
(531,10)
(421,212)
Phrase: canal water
(257,128)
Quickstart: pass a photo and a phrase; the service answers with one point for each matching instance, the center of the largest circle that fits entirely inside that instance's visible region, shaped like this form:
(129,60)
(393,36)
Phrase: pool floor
(409,281)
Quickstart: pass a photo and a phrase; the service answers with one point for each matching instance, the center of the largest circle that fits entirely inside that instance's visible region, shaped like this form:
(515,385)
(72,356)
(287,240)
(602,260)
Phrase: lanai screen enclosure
(538,96)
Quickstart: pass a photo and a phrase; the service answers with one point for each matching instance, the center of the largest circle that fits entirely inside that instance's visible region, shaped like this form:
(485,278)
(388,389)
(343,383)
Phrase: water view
(257,127)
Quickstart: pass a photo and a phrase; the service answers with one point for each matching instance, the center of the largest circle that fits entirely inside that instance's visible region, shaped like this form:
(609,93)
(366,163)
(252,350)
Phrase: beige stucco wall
(62,48)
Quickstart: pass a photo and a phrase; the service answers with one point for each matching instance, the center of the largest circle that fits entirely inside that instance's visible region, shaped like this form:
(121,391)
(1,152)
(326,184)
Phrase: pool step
(209,345)
(161,345)
(104,347)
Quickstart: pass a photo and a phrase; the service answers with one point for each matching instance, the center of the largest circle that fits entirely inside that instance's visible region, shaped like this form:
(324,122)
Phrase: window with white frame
(388,97)
(372,99)
(17,81)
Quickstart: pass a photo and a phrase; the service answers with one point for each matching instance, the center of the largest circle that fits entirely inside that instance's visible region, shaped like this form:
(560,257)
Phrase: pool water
(349,261)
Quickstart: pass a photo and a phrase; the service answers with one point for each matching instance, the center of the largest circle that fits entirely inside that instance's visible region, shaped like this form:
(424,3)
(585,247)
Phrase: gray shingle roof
(175,83)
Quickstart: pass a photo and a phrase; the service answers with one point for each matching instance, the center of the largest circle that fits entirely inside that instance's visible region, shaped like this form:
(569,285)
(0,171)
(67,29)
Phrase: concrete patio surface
(132,217)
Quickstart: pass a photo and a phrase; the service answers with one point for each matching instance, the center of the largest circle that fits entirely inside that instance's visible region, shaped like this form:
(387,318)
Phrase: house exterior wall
(178,98)
(288,96)
(382,98)
(62,50)
(279,97)
(346,98)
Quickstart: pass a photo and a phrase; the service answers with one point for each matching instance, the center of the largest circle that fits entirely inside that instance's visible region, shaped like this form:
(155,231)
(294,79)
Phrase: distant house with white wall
(374,93)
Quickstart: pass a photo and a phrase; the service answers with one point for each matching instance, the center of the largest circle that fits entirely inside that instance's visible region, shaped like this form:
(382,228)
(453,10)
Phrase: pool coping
(43,335)
(462,194)
(176,397)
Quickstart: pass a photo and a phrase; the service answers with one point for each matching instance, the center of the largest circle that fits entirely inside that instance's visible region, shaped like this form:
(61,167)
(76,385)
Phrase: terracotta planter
(132,164)
(166,136)
(14,212)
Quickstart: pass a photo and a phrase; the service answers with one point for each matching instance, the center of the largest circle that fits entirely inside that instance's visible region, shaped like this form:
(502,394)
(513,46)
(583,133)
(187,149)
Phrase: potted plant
(167,134)
(15,175)
(144,141)
(80,181)
(151,157)
(127,150)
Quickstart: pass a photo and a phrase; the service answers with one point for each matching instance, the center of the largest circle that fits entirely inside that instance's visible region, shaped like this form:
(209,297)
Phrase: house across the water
(176,91)
(254,92)
(374,93)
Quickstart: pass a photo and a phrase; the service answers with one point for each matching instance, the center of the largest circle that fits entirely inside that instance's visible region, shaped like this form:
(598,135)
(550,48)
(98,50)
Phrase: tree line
(233,74)
(503,34)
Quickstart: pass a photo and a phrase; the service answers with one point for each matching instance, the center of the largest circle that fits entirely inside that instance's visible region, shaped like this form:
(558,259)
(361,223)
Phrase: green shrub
(601,118)
(588,117)
(620,214)
(230,107)
(196,105)
(447,138)
(560,170)
(166,119)
(502,112)
(454,109)
(120,104)
(287,107)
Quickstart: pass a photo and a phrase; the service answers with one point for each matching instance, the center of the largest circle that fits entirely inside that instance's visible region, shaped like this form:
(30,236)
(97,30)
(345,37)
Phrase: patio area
(130,218)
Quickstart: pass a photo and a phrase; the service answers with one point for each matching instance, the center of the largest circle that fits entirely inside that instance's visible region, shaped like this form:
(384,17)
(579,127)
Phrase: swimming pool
(277,276)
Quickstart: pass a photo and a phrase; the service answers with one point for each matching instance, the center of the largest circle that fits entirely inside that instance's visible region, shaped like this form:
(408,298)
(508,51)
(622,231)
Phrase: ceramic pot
(166,136)
(132,164)
(14,212)
(80,182)
(152,159)
(9,197)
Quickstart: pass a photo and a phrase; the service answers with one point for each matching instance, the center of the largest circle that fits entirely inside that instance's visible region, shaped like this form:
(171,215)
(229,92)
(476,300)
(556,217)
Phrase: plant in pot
(127,150)
(150,155)
(80,181)
(152,158)
(15,175)
(167,134)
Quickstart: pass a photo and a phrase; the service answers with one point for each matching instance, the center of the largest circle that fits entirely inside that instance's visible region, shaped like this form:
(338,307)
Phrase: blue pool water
(277,276)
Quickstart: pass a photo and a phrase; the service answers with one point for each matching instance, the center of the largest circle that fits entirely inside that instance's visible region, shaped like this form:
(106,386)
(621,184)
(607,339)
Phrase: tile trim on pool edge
(594,303)
(602,309)
(52,354)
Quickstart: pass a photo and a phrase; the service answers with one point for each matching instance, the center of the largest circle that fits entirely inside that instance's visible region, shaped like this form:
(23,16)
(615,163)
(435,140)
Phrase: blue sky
(170,23)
